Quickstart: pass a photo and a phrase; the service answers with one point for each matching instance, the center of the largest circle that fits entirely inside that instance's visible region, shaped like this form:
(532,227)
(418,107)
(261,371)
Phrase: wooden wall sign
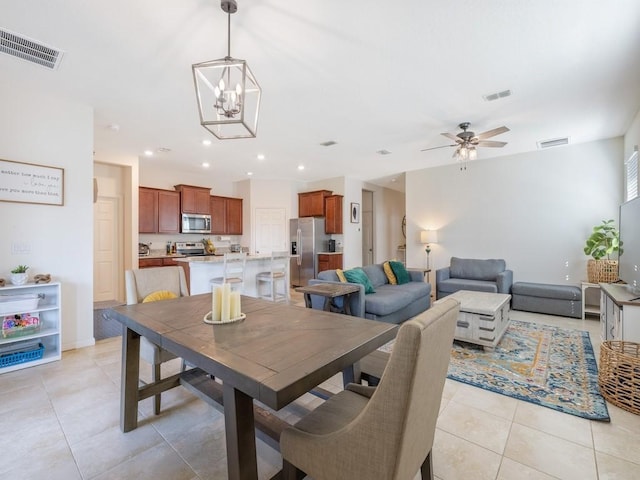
(31,183)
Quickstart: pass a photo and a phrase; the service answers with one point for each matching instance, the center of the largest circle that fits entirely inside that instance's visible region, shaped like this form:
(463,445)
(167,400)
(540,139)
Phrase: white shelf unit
(49,309)
(590,308)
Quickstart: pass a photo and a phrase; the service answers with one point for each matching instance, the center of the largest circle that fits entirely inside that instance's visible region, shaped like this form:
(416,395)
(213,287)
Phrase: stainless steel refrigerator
(307,240)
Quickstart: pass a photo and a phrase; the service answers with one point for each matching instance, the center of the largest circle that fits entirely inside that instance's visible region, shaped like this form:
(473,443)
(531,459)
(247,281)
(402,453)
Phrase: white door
(270,230)
(367,227)
(106,249)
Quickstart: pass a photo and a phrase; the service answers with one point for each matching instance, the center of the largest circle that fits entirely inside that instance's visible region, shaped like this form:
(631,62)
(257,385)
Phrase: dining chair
(383,432)
(278,273)
(232,270)
(152,284)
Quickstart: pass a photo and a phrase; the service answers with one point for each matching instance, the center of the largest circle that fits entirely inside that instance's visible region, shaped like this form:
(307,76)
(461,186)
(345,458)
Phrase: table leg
(351,374)
(327,304)
(240,433)
(307,300)
(129,381)
(346,303)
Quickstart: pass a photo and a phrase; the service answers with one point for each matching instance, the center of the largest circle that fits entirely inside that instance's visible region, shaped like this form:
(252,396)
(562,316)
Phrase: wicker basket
(619,374)
(602,271)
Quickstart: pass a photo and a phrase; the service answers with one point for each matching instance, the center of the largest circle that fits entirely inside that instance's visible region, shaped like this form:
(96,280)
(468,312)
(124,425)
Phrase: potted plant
(19,275)
(603,241)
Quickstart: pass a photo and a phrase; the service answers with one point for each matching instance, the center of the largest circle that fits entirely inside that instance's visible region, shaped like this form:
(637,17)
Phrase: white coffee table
(483,317)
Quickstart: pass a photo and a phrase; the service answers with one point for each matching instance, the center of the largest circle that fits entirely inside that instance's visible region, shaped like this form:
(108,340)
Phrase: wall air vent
(30,50)
(555,142)
(495,96)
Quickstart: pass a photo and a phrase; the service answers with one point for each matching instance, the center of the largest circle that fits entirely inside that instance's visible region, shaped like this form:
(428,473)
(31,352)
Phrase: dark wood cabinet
(226,215)
(157,262)
(330,261)
(158,211)
(311,204)
(333,214)
(194,199)
(147,210)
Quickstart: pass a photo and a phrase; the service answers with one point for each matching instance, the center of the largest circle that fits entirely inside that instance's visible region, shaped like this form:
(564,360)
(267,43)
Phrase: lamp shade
(429,236)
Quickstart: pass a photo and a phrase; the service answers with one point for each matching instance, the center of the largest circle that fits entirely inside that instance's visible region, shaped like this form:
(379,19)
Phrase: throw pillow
(386,266)
(340,274)
(402,276)
(159,295)
(357,275)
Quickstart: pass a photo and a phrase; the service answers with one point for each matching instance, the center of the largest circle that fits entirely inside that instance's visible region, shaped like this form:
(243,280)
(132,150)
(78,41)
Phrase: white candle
(215,303)
(235,304)
(225,310)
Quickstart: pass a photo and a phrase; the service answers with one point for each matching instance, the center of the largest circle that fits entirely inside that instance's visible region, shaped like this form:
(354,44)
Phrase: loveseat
(473,274)
(389,303)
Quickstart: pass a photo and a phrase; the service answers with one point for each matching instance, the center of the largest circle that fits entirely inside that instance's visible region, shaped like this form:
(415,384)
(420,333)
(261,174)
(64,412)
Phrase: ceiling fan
(467,141)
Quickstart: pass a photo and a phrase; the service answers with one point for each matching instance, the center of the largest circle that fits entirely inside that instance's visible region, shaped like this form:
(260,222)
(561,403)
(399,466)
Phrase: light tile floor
(61,421)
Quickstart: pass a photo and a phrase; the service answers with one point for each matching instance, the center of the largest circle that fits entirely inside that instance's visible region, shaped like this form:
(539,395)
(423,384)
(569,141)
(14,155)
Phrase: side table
(590,308)
(330,291)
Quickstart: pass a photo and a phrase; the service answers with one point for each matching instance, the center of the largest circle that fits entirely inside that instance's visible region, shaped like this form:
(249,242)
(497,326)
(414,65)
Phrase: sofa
(478,275)
(389,303)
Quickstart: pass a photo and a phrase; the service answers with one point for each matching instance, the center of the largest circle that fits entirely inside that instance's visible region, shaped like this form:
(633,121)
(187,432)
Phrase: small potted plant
(603,241)
(19,275)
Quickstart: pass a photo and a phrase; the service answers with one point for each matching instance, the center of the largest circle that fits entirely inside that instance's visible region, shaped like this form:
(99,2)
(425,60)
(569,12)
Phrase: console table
(619,313)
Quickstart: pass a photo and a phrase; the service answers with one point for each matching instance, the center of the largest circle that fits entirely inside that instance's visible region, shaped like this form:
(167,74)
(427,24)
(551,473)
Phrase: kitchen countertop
(220,258)
(329,253)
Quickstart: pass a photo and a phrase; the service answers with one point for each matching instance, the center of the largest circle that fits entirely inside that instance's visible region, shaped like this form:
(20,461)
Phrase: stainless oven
(196,223)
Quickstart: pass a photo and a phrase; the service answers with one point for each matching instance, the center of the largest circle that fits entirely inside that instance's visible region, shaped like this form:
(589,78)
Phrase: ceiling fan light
(473,154)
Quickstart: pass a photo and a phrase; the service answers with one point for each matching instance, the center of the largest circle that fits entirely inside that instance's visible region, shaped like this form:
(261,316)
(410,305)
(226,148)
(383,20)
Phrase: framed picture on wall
(355,212)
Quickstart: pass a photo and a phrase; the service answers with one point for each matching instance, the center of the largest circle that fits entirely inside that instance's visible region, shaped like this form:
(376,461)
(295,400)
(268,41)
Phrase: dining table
(276,353)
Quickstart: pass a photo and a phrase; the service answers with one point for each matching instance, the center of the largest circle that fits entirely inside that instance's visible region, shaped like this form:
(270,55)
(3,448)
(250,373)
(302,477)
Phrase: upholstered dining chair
(384,432)
(152,284)
(278,273)
(232,270)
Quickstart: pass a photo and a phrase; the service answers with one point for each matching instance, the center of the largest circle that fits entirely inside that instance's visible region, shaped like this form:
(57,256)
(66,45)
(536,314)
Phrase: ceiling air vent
(556,142)
(328,143)
(383,152)
(495,96)
(30,50)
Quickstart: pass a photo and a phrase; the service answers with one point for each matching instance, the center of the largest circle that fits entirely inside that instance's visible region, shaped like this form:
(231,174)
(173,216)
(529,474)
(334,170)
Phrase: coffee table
(330,291)
(483,317)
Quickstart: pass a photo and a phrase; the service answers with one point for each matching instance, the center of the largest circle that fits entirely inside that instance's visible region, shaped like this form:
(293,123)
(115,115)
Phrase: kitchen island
(200,271)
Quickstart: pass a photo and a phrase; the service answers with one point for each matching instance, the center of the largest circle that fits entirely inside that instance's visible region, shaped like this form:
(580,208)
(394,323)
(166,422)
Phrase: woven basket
(619,374)
(602,271)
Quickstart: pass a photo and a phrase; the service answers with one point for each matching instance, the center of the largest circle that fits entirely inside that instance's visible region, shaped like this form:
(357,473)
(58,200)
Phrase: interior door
(367,227)
(270,230)
(106,249)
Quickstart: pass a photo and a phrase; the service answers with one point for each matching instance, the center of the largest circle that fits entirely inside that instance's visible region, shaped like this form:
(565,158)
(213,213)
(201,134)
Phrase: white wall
(535,210)
(37,129)
(632,137)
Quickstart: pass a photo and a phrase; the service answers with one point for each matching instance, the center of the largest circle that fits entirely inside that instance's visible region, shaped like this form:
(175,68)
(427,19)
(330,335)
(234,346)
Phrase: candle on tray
(235,304)
(216,303)
(225,304)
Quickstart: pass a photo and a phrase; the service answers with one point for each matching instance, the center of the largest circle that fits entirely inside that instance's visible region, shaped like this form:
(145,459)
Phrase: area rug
(549,366)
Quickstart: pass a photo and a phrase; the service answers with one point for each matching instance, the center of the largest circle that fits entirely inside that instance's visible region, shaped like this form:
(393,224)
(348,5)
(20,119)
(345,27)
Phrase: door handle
(299,240)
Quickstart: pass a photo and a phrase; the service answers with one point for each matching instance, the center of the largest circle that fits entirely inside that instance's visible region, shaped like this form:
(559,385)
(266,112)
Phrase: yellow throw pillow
(159,295)
(341,276)
(389,273)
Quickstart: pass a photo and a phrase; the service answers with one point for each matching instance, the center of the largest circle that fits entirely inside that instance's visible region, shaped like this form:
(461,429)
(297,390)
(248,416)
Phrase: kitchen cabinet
(194,199)
(226,215)
(329,261)
(156,262)
(49,334)
(333,214)
(158,211)
(311,204)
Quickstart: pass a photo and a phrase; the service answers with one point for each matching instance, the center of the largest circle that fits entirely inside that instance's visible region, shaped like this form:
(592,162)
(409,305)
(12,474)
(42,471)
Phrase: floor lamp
(427,237)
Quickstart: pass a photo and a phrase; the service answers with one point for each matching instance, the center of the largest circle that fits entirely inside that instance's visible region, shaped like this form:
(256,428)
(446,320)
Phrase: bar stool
(279,272)
(232,271)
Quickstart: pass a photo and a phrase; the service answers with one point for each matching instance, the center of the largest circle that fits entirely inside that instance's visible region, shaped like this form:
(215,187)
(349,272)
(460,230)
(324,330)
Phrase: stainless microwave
(196,223)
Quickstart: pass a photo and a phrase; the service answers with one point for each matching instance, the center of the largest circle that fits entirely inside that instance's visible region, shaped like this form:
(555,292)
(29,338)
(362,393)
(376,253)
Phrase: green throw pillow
(402,276)
(357,275)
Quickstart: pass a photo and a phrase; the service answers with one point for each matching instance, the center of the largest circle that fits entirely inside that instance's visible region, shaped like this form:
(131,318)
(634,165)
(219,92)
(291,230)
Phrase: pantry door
(270,230)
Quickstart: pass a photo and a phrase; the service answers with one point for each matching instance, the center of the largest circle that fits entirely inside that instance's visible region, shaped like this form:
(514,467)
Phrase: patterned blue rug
(549,366)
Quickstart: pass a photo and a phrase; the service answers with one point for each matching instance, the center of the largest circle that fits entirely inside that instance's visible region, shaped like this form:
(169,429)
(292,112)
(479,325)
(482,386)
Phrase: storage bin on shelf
(619,374)
(18,303)
(21,352)
(20,324)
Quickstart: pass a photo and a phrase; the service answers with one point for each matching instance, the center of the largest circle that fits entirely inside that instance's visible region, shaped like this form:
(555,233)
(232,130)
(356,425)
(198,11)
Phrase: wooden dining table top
(276,354)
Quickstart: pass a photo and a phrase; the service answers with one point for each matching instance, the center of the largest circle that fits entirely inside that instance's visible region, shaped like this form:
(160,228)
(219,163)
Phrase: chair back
(142,282)
(279,264)
(403,410)
(234,266)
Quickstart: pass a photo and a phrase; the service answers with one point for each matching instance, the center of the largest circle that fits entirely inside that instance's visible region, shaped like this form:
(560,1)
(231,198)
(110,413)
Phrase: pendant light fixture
(227,92)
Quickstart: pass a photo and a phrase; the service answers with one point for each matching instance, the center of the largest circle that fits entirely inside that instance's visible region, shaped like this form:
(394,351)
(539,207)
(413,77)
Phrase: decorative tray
(207,319)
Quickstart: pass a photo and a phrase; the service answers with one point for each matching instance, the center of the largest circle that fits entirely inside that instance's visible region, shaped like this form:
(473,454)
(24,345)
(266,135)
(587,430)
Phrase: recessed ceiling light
(206,143)
(148,153)
(300,167)
(205,164)
(249,173)
(260,156)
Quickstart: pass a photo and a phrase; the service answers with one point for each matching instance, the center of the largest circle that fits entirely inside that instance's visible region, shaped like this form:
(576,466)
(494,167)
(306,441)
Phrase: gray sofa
(390,303)
(473,274)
